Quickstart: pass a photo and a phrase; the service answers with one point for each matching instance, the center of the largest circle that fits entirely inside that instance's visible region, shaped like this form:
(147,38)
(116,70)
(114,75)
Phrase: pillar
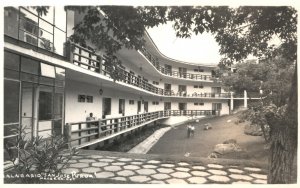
(231,101)
(245,99)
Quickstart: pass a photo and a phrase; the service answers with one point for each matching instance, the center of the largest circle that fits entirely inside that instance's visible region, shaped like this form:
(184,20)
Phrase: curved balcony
(89,60)
(82,134)
(175,74)
(195,94)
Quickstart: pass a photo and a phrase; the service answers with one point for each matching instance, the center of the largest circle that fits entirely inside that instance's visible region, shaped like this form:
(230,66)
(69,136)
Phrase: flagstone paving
(149,171)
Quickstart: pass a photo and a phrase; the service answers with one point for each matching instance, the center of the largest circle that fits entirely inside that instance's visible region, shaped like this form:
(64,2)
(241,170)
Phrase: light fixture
(100,91)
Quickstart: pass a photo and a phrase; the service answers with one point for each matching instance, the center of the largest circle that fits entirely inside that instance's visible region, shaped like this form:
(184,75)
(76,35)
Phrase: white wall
(78,111)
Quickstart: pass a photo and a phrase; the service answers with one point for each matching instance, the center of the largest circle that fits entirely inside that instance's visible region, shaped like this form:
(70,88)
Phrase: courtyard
(175,141)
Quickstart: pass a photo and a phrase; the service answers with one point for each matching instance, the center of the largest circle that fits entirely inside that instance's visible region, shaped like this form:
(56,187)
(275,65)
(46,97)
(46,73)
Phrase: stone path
(166,171)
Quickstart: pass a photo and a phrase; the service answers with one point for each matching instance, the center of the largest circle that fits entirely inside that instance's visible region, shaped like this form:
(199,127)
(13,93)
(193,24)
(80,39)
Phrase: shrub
(38,155)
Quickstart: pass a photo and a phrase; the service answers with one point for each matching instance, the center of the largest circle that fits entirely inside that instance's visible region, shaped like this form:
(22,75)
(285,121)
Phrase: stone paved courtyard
(163,171)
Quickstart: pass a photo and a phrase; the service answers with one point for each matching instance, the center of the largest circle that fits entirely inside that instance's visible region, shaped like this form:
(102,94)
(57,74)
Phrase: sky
(201,48)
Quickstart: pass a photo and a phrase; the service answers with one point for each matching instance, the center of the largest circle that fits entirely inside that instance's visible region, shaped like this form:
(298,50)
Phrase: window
(195,70)
(29,65)
(11,21)
(60,17)
(59,41)
(201,104)
(89,99)
(196,104)
(155,103)
(155,83)
(60,73)
(131,102)
(11,102)
(81,98)
(11,61)
(195,86)
(43,31)
(201,70)
(47,70)
(201,86)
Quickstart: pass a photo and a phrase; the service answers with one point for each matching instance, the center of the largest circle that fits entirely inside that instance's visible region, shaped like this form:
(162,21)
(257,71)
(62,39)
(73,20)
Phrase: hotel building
(52,85)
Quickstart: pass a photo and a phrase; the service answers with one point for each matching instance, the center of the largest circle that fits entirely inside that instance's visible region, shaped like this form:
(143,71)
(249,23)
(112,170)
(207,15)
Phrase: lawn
(175,142)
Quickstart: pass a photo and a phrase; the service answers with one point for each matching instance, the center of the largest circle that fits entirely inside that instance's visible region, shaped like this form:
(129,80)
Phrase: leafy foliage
(272,76)
(38,155)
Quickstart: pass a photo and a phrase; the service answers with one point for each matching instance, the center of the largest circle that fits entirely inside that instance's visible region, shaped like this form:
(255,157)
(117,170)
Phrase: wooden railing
(79,133)
(89,60)
(176,74)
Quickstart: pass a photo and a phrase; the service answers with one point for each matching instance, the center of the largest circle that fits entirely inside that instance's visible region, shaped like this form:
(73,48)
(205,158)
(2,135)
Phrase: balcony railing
(89,60)
(197,95)
(79,133)
(176,74)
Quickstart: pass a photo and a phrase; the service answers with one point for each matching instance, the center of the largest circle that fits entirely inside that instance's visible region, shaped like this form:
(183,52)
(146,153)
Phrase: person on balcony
(91,124)
(91,117)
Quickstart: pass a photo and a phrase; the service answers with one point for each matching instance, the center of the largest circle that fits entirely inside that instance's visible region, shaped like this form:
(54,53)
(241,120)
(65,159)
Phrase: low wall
(178,120)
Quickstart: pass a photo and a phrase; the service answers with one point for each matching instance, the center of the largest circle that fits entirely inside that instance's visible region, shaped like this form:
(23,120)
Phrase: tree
(272,76)
(239,32)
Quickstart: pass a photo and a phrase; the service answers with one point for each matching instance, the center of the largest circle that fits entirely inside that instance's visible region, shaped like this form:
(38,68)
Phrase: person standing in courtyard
(188,131)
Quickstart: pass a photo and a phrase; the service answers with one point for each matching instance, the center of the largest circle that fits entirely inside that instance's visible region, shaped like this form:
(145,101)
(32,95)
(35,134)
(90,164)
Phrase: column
(245,99)
(231,101)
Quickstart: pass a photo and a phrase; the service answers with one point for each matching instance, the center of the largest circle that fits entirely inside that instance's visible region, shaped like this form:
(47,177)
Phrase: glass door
(45,110)
(27,112)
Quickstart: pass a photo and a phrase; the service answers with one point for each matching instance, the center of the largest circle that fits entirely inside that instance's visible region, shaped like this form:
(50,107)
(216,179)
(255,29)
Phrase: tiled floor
(138,170)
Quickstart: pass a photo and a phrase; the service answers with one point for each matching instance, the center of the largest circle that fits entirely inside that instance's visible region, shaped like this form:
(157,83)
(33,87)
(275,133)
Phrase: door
(182,108)
(216,108)
(27,112)
(122,106)
(106,107)
(145,106)
(182,90)
(182,72)
(139,104)
(167,106)
(215,91)
(168,69)
(45,110)
(167,89)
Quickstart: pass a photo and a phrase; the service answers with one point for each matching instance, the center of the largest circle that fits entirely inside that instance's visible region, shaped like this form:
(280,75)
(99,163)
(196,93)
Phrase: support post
(245,99)
(67,133)
(99,128)
(231,101)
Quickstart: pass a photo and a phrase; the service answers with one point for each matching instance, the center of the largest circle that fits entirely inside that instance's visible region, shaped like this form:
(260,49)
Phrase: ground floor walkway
(164,169)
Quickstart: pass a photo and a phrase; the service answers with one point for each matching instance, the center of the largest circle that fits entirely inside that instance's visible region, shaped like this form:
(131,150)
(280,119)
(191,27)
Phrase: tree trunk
(283,137)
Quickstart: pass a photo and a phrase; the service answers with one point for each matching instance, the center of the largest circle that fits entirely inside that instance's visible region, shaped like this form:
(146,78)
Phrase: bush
(38,155)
